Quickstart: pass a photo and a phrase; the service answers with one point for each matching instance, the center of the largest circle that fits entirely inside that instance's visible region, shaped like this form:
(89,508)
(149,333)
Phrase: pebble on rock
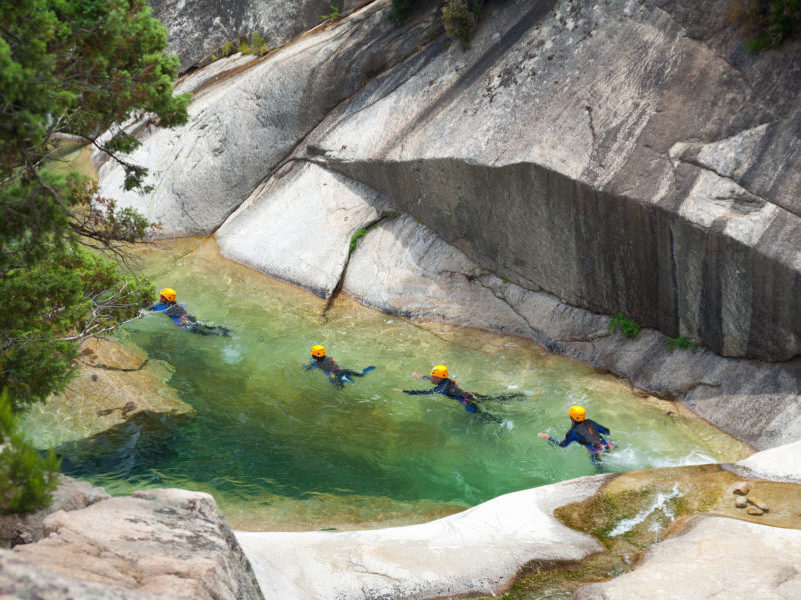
(742,488)
(753,510)
(740,501)
(760,504)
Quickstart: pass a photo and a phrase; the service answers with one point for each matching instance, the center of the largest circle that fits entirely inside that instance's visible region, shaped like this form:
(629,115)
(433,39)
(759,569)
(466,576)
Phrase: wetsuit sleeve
(310,366)
(569,438)
(420,392)
(602,429)
(158,307)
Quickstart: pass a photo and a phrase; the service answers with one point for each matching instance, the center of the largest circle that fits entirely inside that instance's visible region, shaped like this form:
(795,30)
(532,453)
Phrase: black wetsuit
(336,375)
(183,319)
(589,434)
(447,387)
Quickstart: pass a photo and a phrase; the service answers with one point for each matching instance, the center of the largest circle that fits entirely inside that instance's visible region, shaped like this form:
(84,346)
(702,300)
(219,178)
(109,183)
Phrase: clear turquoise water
(280,447)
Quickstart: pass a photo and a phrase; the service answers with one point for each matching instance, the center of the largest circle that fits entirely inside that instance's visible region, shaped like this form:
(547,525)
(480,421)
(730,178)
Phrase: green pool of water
(280,447)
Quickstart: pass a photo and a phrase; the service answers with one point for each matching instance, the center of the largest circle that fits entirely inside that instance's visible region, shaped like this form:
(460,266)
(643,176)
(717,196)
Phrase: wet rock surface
(115,384)
(707,561)
(155,544)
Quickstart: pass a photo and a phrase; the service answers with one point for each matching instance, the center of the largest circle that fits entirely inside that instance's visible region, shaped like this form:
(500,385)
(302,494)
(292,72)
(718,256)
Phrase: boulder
(476,552)
(707,561)
(155,544)
(26,528)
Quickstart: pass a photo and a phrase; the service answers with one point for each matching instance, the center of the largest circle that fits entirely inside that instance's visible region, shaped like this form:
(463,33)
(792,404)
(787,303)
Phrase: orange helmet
(577,413)
(440,371)
(169,294)
(318,351)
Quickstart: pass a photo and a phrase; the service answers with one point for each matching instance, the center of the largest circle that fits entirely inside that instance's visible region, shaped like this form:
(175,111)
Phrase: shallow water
(281,448)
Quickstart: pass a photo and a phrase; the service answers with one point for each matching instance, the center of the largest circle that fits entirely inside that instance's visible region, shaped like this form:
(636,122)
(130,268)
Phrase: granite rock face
(474,552)
(155,544)
(580,160)
(198,28)
(715,557)
(626,157)
(245,125)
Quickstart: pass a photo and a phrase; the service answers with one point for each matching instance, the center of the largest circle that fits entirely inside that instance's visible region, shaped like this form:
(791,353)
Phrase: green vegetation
(70,69)
(460,18)
(360,233)
(630,327)
(26,477)
(681,343)
(334,15)
(400,10)
(248,44)
(767,23)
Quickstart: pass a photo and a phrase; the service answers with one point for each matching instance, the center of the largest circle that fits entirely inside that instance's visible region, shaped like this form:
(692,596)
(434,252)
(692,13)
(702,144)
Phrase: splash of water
(660,504)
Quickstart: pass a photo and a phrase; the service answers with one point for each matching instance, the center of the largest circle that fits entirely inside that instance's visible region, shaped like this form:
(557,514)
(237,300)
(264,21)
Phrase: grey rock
(740,501)
(155,544)
(197,29)
(782,463)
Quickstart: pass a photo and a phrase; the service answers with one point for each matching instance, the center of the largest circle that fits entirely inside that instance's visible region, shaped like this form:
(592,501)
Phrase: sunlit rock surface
(589,159)
(114,384)
(155,544)
(715,557)
(27,528)
(474,552)
(776,464)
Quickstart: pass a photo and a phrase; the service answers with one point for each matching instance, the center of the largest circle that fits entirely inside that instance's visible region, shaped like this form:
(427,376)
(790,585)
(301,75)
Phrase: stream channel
(281,448)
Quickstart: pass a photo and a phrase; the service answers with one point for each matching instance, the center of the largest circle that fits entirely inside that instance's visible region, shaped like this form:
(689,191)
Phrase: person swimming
(179,315)
(586,432)
(448,387)
(337,375)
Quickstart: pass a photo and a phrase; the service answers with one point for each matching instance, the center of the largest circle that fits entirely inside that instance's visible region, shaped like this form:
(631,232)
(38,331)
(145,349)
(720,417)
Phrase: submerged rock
(115,384)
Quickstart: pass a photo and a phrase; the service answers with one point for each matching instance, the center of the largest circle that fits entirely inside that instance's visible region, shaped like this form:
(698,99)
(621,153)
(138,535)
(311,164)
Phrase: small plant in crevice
(629,327)
(334,15)
(681,343)
(460,18)
(360,233)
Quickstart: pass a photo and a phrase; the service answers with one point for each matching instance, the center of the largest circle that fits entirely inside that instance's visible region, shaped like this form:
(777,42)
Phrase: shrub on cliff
(69,68)
(767,23)
(26,477)
(460,18)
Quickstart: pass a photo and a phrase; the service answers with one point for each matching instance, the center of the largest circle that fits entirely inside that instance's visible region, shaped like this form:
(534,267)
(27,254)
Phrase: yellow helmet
(577,413)
(169,294)
(440,371)
(318,351)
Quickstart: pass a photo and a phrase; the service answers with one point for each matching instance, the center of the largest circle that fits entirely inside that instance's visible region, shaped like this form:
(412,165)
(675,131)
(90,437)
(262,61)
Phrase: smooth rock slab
(777,464)
(715,558)
(477,551)
(161,543)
